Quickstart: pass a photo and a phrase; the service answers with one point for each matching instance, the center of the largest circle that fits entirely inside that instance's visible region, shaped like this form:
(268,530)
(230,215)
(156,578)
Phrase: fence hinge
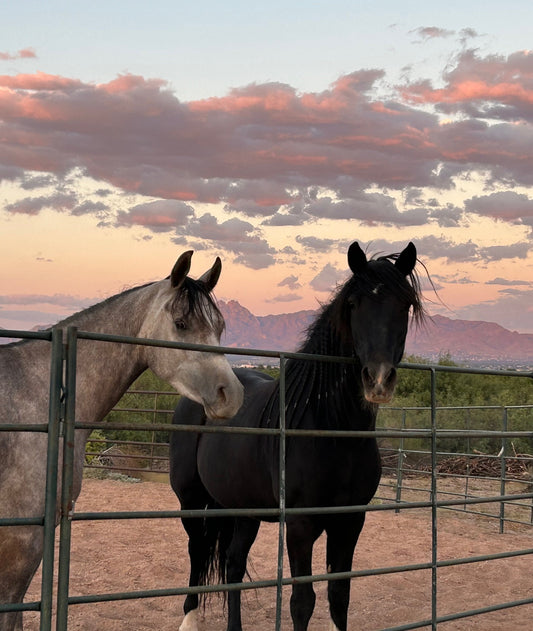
(63,396)
(62,413)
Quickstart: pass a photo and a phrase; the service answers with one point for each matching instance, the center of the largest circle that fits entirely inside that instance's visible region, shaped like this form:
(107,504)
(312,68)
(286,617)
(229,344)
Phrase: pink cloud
(496,86)
(23,53)
(267,146)
(38,81)
(129,83)
(469,90)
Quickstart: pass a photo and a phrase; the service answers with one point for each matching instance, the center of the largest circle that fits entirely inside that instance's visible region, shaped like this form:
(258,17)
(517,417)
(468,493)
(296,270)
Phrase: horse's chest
(332,474)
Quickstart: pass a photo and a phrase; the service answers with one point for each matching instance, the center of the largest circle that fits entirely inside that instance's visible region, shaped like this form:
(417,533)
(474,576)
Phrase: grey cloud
(505,205)
(207,226)
(291,282)
(65,301)
(328,277)
(252,208)
(9,172)
(34,205)
(448,216)
(429,247)
(234,235)
(30,317)
(432,32)
(315,243)
(505,281)
(285,298)
(89,207)
(369,208)
(286,219)
(30,182)
(461,281)
(159,216)
(255,260)
(499,252)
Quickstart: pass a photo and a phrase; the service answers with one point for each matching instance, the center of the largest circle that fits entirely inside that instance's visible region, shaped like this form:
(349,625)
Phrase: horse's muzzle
(379,382)
(227,401)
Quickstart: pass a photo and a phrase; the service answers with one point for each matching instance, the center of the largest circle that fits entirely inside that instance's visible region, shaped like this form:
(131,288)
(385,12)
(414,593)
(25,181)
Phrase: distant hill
(467,341)
(464,340)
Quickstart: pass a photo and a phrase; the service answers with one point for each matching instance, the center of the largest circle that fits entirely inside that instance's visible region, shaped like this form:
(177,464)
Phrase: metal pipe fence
(405,470)
(62,425)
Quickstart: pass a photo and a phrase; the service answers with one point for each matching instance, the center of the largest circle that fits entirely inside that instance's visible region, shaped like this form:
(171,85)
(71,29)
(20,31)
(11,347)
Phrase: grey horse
(178,309)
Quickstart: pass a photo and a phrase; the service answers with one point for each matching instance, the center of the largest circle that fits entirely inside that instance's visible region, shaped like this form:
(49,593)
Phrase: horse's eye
(180,324)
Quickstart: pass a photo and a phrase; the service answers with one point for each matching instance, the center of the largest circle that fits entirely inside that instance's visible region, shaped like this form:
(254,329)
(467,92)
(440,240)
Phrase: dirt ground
(129,555)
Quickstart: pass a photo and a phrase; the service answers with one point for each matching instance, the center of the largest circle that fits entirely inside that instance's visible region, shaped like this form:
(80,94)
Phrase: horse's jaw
(213,385)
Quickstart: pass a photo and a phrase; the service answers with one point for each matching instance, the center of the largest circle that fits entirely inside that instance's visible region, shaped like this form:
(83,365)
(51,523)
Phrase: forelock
(195,302)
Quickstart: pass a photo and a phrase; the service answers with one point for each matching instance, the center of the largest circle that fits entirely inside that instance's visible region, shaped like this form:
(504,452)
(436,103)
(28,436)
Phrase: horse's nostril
(367,376)
(391,377)
(221,394)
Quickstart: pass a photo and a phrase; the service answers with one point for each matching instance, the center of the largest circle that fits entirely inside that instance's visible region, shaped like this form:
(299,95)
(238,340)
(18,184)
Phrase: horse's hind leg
(206,541)
(244,535)
(342,533)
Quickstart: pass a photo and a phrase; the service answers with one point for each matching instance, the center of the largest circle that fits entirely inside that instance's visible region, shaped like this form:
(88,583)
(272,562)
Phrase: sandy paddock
(115,556)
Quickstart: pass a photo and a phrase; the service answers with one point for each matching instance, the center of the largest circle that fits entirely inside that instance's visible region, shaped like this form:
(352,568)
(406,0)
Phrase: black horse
(367,321)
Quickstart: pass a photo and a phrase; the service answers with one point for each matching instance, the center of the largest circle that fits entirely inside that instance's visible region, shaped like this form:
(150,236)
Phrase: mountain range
(467,341)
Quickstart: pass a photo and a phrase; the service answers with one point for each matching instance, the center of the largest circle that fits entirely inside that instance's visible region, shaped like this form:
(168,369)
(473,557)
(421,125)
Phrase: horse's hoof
(190,622)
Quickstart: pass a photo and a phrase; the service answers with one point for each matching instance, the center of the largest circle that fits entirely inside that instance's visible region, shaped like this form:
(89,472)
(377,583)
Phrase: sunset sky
(272,134)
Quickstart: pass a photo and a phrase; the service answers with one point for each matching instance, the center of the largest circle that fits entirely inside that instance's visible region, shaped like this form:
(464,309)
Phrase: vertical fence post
(281,534)
(54,419)
(503,470)
(399,468)
(468,451)
(67,504)
(154,421)
(433,500)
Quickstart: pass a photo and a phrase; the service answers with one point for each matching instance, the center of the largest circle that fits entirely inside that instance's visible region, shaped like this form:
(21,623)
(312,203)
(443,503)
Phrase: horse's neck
(106,368)
(331,391)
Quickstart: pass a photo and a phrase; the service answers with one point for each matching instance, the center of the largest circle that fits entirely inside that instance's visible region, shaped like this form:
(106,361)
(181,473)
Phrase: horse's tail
(217,533)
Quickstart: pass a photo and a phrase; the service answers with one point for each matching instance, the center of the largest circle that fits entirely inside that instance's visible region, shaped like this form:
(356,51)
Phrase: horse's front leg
(199,560)
(302,532)
(21,551)
(342,532)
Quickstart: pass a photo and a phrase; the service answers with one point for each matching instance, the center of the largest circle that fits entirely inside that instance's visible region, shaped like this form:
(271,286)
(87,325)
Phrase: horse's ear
(181,269)
(210,278)
(405,263)
(356,258)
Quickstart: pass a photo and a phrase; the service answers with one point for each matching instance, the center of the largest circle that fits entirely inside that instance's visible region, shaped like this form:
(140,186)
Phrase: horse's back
(188,412)
(216,454)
